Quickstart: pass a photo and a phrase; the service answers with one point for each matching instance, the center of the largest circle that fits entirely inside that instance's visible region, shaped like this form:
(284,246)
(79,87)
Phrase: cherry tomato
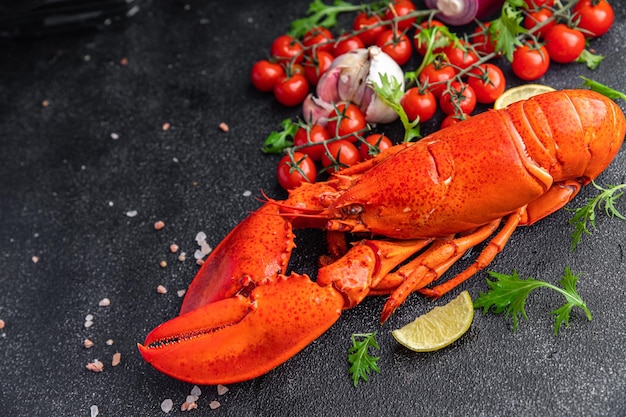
(291,90)
(365,20)
(264,75)
(564,44)
(400,8)
(346,120)
(421,44)
(292,173)
(435,75)
(286,47)
(488,83)
(342,154)
(538,4)
(459,99)
(314,68)
(460,56)
(396,45)
(416,103)
(315,134)
(595,16)
(534,18)
(373,145)
(347,45)
(318,38)
(530,61)
(453,119)
(483,40)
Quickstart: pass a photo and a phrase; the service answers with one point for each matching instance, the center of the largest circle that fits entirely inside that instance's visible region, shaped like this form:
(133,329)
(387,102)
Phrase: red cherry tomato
(401,8)
(483,40)
(488,83)
(319,38)
(291,91)
(396,45)
(346,120)
(264,75)
(420,42)
(416,103)
(530,62)
(365,20)
(534,18)
(595,16)
(286,47)
(459,99)
(373,145)
(292,173)
(460,56)
(342,155)
(453,119)
(315,134)
(564,44)
(315,67)
(435,75)
(538,4)
(347,45)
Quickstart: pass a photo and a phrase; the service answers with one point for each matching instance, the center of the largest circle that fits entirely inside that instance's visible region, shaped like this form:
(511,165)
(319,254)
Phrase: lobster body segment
(421,206)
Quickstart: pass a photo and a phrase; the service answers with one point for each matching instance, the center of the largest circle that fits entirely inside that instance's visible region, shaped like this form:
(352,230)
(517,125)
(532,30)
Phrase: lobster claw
(240,338)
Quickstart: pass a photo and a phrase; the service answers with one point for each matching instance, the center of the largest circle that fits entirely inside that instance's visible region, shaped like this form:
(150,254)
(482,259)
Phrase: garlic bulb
(348,79)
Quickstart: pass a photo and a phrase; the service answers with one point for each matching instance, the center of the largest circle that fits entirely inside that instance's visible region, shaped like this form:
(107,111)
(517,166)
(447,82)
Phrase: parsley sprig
(362,363)
(509,293)
(391,92)
(587,214)
(320,14)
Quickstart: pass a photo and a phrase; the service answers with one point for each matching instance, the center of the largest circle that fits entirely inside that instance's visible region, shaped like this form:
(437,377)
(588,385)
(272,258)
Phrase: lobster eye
(352,210)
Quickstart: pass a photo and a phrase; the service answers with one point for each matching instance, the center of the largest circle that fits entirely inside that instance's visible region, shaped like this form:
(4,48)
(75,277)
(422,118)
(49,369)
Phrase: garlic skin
(348,79)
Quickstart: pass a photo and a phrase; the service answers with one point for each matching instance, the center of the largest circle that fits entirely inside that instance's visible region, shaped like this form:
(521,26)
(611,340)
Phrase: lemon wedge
(439,327)
(521,92)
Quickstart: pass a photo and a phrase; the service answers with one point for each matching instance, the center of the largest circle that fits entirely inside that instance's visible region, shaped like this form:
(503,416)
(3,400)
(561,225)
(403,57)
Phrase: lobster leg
(553,200)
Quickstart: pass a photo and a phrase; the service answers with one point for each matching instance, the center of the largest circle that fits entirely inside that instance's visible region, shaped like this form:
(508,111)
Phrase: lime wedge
(439,327)
(521,92)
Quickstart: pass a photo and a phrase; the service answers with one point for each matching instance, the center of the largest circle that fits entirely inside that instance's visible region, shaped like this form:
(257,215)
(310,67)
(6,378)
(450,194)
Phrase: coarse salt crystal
(198,254)
(95,366)
(87,343)
(180,293)
(200,237)
(200,262)
(247,193)
(35,259)
(224,127)
(205,248)
(163,264)
(105,302)
(117,358)
(167,405)
(174,248)
(159,225)
(109,342)
(161,289)
(196,391)
(94,411)
(88,323)
(115,136)
(2,324)
(214,404)
(182,257)
(191,398)
(45,103)
(221,390)
(166,126)
(131,213)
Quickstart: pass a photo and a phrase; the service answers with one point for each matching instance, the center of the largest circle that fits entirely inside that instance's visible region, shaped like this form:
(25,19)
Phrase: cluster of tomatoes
(457,79)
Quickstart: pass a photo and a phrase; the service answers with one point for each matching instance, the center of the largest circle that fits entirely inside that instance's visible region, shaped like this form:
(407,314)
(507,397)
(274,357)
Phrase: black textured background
(66,186)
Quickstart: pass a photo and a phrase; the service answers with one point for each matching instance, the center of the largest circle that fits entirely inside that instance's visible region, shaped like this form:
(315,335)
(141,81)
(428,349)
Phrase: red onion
(462,12)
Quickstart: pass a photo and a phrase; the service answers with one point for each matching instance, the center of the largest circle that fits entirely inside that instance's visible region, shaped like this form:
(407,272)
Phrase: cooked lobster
(418,208)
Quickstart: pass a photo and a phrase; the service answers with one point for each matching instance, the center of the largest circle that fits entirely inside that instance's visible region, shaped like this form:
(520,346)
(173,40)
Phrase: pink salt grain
(95,366)
(214,404)
(174,248)
(159,225)
(87,343)
(117,358)
(224,127)
(166,127)
(161,289)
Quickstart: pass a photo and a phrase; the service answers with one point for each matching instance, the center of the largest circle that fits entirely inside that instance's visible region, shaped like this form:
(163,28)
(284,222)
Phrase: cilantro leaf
(279,140)
(508,294)
(358,356)
(507,28)
(587,214)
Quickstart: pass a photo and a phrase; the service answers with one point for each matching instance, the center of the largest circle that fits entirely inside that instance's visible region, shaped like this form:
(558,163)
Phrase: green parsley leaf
(603,89)
(587,214)
(509,293)
(507,28)
(390,92)
(320,14)
(590,59)
(277,141)
(358,356)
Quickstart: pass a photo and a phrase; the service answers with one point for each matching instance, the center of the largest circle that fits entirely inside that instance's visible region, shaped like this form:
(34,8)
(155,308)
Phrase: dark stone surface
(66,186)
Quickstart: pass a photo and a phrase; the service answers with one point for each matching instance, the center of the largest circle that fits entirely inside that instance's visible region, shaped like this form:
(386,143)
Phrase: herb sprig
(362,363)
(508,294)
(587,214)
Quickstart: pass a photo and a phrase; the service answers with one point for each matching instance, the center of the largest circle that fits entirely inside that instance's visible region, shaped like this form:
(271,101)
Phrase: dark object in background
(40,17)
